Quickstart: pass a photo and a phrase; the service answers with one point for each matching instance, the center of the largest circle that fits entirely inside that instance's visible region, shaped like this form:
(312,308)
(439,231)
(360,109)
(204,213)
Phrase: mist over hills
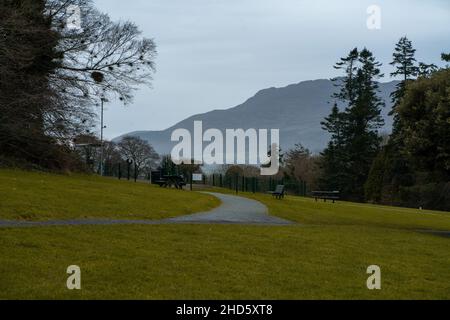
(296,110)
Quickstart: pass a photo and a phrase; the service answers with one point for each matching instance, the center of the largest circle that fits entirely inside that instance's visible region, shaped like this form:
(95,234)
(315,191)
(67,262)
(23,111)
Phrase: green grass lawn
(41,196)
(307,211)
(222,262)
(324,256)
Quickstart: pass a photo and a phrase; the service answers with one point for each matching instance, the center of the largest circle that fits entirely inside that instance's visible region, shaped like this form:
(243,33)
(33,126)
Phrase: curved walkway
(234,210)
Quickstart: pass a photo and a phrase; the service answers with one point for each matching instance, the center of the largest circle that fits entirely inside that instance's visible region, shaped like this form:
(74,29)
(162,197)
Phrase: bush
(428,196)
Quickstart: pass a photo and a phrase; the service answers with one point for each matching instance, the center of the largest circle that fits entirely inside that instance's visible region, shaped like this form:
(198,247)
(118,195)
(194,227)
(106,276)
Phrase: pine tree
(334,160)
(364,120)
(347,84)
(354,132)
(334,124)
(426,70)
(405,63)
(394,164)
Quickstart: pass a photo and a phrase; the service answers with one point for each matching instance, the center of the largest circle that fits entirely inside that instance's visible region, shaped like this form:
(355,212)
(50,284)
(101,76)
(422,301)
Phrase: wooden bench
(279,192)
(169,181)
(326,195)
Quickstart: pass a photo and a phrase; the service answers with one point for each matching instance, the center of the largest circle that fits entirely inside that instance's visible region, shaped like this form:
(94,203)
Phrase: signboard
(197,177)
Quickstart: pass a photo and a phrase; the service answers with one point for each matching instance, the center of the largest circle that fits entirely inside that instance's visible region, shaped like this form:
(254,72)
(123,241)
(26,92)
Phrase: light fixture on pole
(103,100)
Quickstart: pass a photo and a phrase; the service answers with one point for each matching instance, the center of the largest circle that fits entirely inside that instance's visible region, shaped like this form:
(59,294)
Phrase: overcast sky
(215,54)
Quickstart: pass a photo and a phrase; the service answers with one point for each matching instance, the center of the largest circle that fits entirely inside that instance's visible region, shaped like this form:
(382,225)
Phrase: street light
(103,100)
(129,162)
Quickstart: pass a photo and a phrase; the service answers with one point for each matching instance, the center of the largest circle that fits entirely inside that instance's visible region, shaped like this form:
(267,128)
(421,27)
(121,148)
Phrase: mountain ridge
(295,109)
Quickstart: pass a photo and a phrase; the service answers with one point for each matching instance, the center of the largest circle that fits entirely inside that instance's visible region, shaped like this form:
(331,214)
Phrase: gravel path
(234,210)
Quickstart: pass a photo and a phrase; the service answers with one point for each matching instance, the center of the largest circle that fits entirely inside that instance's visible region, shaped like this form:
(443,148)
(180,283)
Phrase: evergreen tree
(405,63)
(413,169)
(395,168)
(354,132)
(426,70)
(445,57)
(425,113)
(334,124)
(334,160)
(364,120)
(347,84)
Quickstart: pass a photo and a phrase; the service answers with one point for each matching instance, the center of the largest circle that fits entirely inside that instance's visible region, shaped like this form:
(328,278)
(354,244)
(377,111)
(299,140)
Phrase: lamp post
(103,100)
(129,162)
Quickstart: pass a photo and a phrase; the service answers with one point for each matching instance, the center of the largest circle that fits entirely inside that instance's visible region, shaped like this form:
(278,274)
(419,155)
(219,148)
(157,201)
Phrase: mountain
(296,110)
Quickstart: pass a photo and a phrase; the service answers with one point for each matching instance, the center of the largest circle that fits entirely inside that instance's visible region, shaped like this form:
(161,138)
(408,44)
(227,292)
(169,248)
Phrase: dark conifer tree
(347,83)
(334,160)
(405,63)
(354,132)
(363,121)
(396,169)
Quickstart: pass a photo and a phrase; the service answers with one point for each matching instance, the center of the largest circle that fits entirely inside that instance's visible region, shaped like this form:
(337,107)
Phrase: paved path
(234,210)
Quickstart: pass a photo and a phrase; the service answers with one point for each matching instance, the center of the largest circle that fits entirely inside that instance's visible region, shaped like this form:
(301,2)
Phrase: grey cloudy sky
(214,54)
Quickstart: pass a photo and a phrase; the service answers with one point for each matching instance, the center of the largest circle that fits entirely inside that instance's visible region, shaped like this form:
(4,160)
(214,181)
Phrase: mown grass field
(307,211)
(324,256)
(39,196)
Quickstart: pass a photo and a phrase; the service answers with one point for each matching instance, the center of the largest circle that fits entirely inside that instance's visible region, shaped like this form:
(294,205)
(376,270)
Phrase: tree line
(411,168)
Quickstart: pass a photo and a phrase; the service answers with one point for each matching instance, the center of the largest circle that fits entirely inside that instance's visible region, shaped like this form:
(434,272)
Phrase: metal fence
(235,182)
(255,184)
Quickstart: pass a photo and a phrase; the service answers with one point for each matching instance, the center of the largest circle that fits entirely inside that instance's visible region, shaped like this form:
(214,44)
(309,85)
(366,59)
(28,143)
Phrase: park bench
(279,192)
(161,183)
(326,195)
(169,181)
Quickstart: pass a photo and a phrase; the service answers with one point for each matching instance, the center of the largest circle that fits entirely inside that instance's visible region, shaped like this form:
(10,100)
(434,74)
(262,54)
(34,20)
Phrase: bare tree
(52,75)
(139,151)
(103,57)
(301,165)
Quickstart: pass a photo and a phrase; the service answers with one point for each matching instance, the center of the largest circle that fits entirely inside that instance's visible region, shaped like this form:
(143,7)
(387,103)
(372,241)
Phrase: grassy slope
(40,196)
(325,256)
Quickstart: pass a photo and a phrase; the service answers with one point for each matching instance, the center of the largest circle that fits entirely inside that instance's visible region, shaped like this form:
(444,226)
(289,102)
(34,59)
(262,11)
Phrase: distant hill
(296,110)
